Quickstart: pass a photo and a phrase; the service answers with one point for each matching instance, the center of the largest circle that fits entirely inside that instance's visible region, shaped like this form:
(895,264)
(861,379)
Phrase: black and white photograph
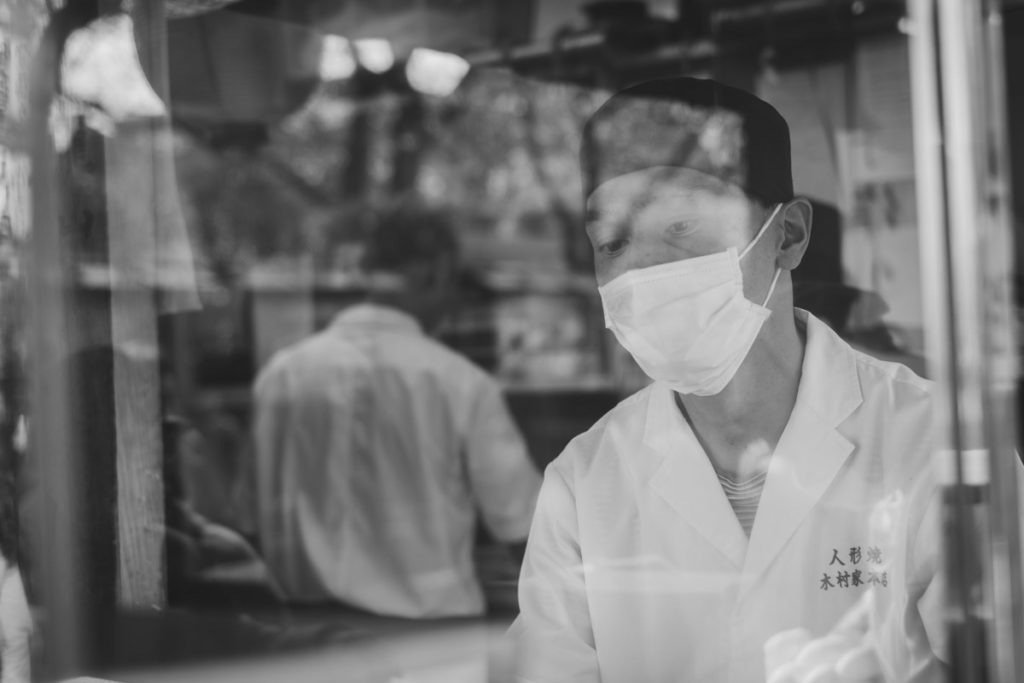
(511,341)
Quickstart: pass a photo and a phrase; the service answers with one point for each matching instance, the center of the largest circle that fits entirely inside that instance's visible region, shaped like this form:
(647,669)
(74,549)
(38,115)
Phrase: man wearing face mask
(772,485)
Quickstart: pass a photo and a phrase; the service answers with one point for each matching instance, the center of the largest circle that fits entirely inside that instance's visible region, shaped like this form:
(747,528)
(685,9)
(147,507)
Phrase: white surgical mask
(687,323)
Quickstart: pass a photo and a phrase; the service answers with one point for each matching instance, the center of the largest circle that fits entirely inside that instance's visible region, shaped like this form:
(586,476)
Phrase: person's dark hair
(700,124)
(407,234)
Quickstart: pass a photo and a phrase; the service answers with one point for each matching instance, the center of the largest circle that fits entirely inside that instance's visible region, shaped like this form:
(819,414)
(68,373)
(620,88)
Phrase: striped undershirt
(743,496)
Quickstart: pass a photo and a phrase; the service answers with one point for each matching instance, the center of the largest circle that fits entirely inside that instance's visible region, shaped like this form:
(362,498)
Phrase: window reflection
(312,297)
(374,445)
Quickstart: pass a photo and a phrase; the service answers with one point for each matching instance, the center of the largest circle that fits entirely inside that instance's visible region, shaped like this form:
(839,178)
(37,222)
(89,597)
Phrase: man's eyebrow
(593,214)
(641,202)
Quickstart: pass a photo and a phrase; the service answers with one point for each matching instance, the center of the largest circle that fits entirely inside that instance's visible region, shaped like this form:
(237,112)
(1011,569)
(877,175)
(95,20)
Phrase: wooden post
(95,409)
(139,178)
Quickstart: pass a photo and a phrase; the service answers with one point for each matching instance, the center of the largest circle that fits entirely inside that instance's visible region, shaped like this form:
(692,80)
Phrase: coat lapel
(810,452)
(683,477)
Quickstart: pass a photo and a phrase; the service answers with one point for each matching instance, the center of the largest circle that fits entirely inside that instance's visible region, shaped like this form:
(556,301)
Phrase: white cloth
(374,446)
(638,570)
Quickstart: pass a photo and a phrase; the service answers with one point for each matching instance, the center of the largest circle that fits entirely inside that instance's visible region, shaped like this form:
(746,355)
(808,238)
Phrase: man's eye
(681,229)
(612,247)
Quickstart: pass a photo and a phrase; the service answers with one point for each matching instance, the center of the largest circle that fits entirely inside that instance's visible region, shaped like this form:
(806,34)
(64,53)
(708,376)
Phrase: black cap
(693,123)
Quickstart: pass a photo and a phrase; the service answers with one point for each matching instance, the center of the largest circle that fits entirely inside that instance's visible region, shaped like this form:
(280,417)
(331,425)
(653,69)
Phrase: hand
(844,654)
(835,658)
(219,544)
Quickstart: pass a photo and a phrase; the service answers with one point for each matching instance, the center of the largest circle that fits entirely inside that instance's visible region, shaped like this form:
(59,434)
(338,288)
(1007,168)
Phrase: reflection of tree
(243,206)
(502,152)
(578,255)
(501,149)
(529,133)
(355,169)
(409,139)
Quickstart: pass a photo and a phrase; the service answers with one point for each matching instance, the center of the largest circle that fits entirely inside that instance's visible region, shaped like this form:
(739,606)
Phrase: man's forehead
(639,189)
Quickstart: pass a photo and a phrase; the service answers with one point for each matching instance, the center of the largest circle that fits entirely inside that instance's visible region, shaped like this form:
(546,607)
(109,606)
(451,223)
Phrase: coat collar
(683,476)
(807,458)
(811,451)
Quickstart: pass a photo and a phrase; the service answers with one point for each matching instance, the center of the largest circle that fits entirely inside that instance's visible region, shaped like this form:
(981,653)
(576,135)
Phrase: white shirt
(638,570)
(375,445)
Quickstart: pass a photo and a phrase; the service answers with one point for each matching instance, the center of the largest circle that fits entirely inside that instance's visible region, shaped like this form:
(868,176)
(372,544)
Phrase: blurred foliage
(501,152)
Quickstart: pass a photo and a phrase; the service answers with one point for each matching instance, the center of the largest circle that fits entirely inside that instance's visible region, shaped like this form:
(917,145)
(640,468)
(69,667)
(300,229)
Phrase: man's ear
(796,216)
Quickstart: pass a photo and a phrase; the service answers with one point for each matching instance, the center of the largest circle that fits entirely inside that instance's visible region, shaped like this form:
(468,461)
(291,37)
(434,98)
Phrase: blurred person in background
(773,486)
(376,446)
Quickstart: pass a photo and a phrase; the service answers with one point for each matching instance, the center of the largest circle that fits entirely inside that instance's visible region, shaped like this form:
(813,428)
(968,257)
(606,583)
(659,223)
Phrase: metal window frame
(963,198)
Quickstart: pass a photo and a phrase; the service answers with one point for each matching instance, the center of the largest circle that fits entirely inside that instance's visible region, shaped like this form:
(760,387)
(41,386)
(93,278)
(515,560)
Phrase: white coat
(638,570)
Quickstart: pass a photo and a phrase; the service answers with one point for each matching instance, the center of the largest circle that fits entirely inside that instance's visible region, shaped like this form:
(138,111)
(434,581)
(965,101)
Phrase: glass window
(491,340)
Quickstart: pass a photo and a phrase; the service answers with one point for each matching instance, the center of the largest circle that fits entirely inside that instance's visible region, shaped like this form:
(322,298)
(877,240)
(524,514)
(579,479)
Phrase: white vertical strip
(935,275)
(962,93)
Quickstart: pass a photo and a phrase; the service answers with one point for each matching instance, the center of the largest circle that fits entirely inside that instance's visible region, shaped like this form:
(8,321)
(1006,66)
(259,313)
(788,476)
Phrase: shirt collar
(377,316)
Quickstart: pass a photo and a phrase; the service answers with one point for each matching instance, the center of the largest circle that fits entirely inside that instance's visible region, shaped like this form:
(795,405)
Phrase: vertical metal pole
(942,342)
(982,239)
(958,50)
(931,211)
(966,243)
(997,243)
